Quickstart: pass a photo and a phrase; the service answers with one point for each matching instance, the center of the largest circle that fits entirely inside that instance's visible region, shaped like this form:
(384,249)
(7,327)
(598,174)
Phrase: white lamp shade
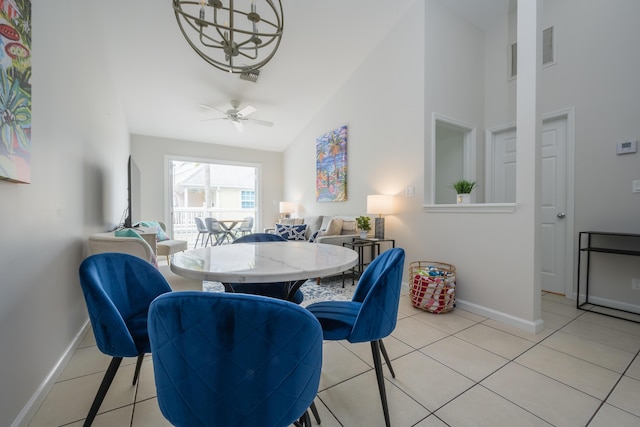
(287,207)
(381,204)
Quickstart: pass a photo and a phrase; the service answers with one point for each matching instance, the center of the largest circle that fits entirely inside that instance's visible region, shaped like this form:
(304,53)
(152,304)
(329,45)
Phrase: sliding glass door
(208,188)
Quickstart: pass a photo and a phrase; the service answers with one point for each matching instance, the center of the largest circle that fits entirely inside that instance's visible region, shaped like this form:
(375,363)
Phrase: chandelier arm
(197,28)
(241,53)
(278,24)
(252,49)
(267,43)
(217,26)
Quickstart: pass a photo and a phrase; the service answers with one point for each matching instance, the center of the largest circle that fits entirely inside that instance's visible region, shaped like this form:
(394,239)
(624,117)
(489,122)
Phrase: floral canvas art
(15,90)
(331,166)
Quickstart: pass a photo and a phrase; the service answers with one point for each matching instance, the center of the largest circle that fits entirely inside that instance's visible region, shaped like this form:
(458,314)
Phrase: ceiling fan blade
(261,122)
(246,111)
(214,118)
(238,124)
(213,109)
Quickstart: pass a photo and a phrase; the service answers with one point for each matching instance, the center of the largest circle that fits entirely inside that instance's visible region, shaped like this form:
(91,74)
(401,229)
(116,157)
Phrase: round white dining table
(264,262)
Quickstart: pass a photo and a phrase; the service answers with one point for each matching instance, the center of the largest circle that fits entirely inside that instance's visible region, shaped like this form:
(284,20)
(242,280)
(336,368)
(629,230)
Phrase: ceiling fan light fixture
(233,36)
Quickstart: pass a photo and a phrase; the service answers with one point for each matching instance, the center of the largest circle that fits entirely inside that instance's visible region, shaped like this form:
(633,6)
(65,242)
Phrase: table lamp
(286,208)
(380,204)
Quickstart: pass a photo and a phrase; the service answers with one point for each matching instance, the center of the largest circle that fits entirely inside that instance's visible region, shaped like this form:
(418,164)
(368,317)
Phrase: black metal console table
(596,242)
(359,244)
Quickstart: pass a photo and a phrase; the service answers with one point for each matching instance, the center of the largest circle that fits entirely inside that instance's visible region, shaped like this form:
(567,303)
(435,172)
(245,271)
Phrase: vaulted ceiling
(162,81)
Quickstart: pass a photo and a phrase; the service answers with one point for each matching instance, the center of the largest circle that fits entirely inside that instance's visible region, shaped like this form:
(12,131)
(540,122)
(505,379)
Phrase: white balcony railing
(184,224)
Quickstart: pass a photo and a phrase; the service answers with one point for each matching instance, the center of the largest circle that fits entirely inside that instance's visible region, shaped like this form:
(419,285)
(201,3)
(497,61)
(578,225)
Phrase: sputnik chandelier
(234,38)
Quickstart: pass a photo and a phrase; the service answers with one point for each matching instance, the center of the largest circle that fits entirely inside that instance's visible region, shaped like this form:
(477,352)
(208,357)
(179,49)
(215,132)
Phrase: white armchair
(108,242)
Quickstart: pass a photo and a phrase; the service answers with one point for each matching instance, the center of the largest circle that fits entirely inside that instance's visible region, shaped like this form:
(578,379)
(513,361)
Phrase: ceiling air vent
(548,52)
(250,75)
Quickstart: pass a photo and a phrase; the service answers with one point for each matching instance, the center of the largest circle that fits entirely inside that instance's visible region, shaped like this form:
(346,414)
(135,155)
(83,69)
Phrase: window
(247,199)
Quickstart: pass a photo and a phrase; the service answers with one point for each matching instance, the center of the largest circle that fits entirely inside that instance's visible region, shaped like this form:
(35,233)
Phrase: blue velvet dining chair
(118,289)
(273,290)
(370,315)
(225,359)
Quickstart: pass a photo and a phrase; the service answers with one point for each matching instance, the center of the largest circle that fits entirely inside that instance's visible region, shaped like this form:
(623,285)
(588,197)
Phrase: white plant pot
(463,199)
(363,234)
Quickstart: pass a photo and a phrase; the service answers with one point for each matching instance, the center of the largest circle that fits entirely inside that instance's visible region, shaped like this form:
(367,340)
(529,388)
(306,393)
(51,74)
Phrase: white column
(529,125)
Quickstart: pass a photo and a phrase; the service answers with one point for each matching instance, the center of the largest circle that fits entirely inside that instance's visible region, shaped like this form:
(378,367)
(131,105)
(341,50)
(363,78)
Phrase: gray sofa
(321,228)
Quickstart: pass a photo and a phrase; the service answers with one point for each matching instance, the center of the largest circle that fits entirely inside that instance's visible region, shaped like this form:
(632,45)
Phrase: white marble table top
(263,262)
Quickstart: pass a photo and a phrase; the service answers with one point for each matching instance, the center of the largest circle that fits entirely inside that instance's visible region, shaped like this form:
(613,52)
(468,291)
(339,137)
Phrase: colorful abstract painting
(331,166)
(15,90)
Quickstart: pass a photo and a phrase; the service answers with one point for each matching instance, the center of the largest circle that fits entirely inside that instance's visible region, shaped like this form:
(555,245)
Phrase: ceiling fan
(238,117)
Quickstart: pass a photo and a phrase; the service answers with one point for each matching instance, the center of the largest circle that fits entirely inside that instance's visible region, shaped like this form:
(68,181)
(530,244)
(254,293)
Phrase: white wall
(382,105)
(491,251)
(150,154)
(388,106)
(79,153)
(466,78)
(594,73)
(597,72)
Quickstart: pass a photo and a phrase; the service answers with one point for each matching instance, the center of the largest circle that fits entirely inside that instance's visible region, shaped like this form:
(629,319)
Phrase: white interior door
(501,180)
(554,205)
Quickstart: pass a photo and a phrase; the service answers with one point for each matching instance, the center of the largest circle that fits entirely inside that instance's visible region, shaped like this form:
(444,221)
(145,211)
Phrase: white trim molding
(533,327)
(503,208)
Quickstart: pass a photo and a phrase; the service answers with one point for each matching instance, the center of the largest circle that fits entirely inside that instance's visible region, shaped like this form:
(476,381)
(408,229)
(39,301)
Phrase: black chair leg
(102,391)
(316,415)
(386,358)
(138,366)
(304,421)
(377,363)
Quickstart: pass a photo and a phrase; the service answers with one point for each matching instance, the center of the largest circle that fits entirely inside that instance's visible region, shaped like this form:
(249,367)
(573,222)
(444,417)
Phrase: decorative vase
(464,199)
(363,234)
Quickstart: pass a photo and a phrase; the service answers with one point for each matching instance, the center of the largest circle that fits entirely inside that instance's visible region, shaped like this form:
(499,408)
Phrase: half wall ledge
(501,208)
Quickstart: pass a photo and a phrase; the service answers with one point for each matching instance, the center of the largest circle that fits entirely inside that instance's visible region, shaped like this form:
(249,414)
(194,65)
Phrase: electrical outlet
(635,284)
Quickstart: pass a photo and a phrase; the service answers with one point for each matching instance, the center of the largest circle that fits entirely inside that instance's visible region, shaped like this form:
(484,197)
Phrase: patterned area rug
(330,289)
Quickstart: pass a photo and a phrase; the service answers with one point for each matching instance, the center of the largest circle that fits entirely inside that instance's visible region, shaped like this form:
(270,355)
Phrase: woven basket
(432,286)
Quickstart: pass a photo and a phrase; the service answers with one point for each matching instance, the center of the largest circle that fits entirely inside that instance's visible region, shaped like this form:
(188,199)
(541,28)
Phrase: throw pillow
(349,226)
(291,232)
(160,234)
(127,232)
(315,235)
(334,228)
(314,223)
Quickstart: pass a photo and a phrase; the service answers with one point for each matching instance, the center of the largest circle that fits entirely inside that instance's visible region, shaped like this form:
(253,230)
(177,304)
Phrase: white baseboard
(619,305)
(533,327)
(29,410)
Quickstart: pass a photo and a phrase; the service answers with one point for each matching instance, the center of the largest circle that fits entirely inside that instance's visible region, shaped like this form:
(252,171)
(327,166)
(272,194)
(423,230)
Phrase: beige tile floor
(454,369)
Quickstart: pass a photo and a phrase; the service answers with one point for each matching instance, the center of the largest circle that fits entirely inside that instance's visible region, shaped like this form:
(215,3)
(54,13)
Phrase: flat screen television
(133,194)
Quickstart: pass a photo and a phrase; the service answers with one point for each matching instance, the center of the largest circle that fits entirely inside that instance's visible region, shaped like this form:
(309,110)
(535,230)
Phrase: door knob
(561,215)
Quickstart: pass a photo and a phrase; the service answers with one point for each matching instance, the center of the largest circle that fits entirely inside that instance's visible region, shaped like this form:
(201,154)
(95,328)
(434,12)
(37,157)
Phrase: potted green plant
(463,189)
(364,224)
